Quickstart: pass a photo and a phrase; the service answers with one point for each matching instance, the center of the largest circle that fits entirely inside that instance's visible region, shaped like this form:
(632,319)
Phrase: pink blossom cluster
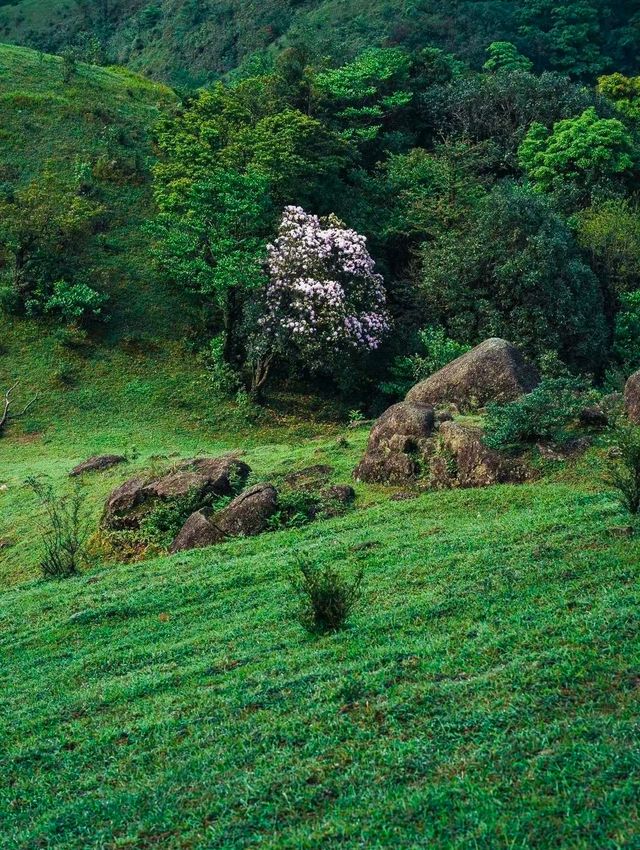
(324,295)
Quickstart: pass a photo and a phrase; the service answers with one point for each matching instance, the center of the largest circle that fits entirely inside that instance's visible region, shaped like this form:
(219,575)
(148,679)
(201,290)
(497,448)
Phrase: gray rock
(202,476)
(401,426)
(98,463)
(463,460)
(122,502)
(493,371)
(197,533)
(246,516)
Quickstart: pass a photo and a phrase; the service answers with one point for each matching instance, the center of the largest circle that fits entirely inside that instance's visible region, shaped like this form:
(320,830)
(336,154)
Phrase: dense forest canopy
(196,40)
(352,213)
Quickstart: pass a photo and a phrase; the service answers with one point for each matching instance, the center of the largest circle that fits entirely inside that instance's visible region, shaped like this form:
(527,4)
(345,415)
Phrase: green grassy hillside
(485,695)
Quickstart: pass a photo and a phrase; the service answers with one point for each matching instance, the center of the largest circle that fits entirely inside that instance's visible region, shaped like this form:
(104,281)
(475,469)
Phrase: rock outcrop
(398,441)
(246,516)
(202,477)
(98,463)
(493,371)
(461,459)
(632,398)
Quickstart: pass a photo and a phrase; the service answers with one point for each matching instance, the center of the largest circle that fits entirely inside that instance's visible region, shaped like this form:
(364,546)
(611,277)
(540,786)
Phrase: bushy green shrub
(164,521)
(623,473)
(543,414)
(326,597)
(65,533)
(75,302)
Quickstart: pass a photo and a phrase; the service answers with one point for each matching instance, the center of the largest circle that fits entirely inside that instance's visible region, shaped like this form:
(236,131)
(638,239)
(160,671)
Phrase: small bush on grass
(623,473)
(543,414)
(64,538)
(326,597)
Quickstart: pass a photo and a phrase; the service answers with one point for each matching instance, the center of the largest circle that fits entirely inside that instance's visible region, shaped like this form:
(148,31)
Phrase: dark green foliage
(326,596)
(162,523)
(623,473)
(517,273)
(544,414)
(63,537)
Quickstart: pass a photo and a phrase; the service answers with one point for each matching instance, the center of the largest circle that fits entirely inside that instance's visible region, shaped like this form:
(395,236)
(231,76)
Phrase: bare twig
(7,416)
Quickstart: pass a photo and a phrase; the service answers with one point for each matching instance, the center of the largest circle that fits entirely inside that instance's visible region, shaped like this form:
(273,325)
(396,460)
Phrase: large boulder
(403,426)
(121,510)
(97,463)
(461,459)
(632,398)
(398,440)
(198,532)
(493,371)
(202,477)
(246,516)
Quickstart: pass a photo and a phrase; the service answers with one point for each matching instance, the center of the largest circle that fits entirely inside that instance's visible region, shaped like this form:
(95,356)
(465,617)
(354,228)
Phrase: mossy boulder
(494,371)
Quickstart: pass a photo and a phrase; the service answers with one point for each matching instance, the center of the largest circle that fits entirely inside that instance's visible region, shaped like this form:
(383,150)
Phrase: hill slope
(486,694)
(186,42)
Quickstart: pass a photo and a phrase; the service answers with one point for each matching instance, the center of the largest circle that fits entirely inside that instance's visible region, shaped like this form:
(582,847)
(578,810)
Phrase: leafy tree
(623,92)
(518,273)
(505,56)
(498,109)
(579,155)
(610,232)
(566,35)
(43,228)
(250,127)
(365,100)
(214,243)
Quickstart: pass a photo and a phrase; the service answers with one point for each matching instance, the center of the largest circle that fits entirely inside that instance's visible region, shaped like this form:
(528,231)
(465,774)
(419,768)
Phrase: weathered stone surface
(122,502)
(402,425)
(385,467)
(569,450)
(201,476)
(197,533)
(343,494)
(246,516)
(397,441)
(493,371)
(463,460)
(98,463)
(632,398)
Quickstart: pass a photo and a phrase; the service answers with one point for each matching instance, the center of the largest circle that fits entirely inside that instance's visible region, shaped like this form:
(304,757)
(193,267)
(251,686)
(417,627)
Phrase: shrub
(543,414)
(623,473)
(75,302)
(326,597)
(64,538)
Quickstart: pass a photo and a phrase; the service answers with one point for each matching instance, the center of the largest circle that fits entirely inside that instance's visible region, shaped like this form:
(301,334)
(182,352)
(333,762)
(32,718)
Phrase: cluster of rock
(200,479)
(417,437)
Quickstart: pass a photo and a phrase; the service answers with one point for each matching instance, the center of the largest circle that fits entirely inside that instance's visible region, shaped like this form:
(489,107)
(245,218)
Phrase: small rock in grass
(97,463)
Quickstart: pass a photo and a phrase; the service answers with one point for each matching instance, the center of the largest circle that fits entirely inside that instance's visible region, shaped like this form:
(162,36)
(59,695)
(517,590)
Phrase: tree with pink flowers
(324,299)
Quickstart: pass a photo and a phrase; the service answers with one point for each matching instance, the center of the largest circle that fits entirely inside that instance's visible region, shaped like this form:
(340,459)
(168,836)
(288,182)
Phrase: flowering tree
(324,299)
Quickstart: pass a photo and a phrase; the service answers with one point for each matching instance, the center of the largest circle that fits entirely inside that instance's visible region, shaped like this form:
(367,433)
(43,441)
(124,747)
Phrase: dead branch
(7,415)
